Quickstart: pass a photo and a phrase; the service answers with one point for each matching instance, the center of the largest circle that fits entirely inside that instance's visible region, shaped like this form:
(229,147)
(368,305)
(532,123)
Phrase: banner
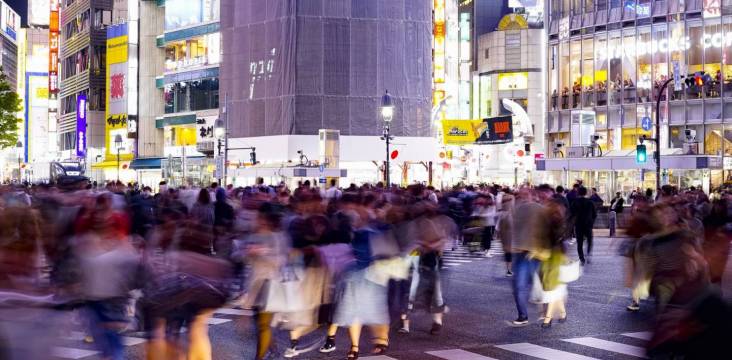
(115,113)
(497,130)
(81,125)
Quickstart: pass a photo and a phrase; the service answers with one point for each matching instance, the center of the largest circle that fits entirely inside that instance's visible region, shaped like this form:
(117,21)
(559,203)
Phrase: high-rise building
(292,68)
(606,64)
(33,89)
(9,28)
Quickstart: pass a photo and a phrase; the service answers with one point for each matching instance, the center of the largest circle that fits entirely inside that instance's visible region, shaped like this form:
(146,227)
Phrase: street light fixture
(19,148)
(118,144)
(220,134)
(387,113)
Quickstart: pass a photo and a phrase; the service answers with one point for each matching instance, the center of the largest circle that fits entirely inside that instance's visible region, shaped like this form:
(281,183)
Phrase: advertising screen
(81,125)
(115,113)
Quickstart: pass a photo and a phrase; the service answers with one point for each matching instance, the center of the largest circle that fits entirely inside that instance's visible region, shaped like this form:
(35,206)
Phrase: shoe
(582,262)
(292,351)
(352,355)
(404,329)
(546,325)
(520,322)
(329,345)
(436,328)
(379,349)
(634,306)
(562,320)
(88,339)
(509,273)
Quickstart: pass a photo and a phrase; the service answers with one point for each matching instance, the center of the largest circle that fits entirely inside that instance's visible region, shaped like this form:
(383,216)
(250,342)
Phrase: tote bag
(285,294)
(570,272)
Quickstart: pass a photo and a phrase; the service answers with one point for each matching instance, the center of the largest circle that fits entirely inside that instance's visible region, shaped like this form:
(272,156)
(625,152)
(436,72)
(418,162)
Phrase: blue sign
(322,167)
(646,123)
(81,125)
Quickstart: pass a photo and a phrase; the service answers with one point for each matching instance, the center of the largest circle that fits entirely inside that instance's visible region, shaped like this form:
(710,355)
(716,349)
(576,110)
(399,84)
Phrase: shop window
(677,53)
(600,72)
(713,140)
(695,54)
(660,61)
(575,72)
(644,57)
(676,137)
(615,58)
(588,71)
(192,95)
(727,141)
(712,42)
(564,74)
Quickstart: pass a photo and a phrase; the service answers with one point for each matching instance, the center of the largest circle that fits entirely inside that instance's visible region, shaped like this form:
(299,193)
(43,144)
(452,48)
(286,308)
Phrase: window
(487,53)
(677,51)
(192,95)
(588,71)
(660,59)
(615,56)
(643,51)
(575,71)
(712,42)
(713,140)
(200,51)
(727,51)
(601,63)
(564,74)
(695,54)
(629,66)
(75,64)
(77,25)
(553,79)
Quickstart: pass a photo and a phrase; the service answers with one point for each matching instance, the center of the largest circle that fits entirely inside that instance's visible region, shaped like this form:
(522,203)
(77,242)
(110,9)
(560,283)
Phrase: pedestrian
(554,289)
(584,214)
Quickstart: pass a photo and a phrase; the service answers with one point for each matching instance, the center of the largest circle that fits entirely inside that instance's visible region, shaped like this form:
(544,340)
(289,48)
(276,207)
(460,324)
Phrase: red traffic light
(394,154)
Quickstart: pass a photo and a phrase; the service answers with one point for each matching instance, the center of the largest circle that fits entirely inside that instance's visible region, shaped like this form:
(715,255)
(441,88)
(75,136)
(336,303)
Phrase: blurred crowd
(122,259)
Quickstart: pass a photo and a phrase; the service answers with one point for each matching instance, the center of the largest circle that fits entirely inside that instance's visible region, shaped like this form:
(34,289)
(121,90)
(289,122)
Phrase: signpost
(646,123)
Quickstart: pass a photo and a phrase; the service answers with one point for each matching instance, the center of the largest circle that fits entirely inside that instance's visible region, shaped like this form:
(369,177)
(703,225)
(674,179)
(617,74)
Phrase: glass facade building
(610,57)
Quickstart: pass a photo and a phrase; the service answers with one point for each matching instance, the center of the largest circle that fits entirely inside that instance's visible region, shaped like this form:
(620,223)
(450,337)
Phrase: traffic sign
(646,123)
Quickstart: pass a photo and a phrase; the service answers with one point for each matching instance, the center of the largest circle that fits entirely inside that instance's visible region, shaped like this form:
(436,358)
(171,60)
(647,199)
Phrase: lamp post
(220,134)
(118,144)
(19,148)
(387,113)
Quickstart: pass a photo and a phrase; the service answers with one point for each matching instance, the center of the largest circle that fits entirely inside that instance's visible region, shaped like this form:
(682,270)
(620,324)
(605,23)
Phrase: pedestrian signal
(641,157)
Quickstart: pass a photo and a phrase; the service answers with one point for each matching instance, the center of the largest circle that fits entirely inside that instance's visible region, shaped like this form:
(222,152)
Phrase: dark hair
(332,182)
(582,191)
(204,197)
(560,189)
(271,214)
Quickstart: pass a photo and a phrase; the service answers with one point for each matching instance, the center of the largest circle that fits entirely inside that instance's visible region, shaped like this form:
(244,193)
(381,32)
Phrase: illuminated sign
(498,130)
(81,125)
(117,85)
(513,81)
(53,44)
(38,13)
(9,21)
(712,8)
(715,40)
(439,32)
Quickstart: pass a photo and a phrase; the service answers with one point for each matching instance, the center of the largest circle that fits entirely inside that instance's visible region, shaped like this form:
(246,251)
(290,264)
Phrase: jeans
(583,234)
(523,277)
(105,317)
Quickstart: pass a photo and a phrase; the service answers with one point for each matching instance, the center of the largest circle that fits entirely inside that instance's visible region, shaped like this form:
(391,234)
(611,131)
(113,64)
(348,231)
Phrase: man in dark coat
(584,214)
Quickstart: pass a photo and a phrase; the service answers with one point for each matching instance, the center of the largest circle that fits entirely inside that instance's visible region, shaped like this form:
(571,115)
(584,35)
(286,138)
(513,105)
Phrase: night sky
(21,7)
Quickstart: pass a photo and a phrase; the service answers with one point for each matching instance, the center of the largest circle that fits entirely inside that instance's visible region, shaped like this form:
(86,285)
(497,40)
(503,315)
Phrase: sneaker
(292,351)
(634,306)
(509,273)
(520,322)
(436,328)
(329,345)
(404,329)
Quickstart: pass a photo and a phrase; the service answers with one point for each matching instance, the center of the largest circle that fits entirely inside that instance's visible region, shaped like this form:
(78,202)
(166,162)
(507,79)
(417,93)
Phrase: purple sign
(81,125)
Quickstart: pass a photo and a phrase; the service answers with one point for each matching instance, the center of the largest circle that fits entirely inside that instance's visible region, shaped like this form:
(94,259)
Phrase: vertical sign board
(53,45)
(115,114)
(81,125)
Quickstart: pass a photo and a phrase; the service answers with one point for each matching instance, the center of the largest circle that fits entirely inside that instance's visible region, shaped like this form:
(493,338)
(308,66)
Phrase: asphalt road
(480,300)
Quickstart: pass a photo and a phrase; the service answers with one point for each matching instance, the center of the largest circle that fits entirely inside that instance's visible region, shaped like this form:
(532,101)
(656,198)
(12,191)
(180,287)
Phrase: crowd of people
(127,259)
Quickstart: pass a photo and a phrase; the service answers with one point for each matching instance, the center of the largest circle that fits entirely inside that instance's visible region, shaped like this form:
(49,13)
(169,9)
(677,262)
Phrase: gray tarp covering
(296,66)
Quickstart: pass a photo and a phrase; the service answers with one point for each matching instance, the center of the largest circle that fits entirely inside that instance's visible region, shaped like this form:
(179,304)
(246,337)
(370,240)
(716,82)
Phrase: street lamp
(387,113)
(118,144)
(220,134)
(19,148)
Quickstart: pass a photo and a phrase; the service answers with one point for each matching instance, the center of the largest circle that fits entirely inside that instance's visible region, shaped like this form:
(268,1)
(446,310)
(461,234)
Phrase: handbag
(570,272)
(284,295)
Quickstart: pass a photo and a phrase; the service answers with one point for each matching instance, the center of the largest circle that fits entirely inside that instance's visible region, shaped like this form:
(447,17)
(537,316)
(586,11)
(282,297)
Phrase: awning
(680,162)
(146,164)
(110,164)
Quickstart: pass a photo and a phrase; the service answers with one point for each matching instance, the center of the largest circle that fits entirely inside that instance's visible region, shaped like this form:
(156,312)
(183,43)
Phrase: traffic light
(641,157)
(253,157)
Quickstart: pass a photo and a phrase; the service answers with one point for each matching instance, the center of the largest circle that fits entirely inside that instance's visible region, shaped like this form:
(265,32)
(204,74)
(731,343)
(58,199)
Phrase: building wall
(152,65)
(326,64)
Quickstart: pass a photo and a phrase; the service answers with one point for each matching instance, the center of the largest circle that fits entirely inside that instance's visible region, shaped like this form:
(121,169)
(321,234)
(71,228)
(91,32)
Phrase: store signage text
(716,40)
(81,125)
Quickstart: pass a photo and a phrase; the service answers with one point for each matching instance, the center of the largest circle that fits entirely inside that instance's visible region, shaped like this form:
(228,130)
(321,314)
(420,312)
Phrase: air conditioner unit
(576,151)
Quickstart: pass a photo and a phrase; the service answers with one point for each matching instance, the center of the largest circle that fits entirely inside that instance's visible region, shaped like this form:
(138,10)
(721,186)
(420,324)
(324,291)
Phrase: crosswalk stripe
(643,335)
(542,352)
(447,259)
(132,341)
(71,353)
(609,346)
(216,321)
(379,357)
(226,311)
(458,354)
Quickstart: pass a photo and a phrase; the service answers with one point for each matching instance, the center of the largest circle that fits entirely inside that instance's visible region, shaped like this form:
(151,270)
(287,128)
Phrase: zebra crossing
(462,254)
(74,346)
(610,349)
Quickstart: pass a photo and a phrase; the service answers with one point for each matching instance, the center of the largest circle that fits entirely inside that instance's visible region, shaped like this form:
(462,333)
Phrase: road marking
(458,354)
(71,353)
(216,321)
(227,311)
(542,352)
(132,341)
(609,346)
(379,357)
(643,335)
(449,259)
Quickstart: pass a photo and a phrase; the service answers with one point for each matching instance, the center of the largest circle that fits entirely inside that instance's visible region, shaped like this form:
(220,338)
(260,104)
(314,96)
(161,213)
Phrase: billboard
(53,45)
(185,13)
(81,125)
(115,112)
(9,21)
(39,13)
(497,130)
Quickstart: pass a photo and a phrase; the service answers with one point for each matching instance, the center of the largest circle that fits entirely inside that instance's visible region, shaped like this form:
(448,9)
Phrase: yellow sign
(115,111)
(513,81)
(462,132)
(513,22)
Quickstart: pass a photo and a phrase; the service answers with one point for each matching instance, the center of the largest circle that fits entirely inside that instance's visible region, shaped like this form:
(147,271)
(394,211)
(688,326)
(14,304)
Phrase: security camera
(595,137)
(690,134)
(558,145)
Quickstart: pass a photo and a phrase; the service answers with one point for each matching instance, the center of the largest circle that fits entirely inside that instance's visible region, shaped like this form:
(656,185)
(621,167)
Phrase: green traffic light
(640,154)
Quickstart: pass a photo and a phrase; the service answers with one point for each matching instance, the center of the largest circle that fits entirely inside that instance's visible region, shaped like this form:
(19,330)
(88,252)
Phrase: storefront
(610,60)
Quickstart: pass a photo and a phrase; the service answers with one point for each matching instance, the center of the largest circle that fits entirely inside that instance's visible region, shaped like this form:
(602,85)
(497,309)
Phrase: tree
(10,105)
